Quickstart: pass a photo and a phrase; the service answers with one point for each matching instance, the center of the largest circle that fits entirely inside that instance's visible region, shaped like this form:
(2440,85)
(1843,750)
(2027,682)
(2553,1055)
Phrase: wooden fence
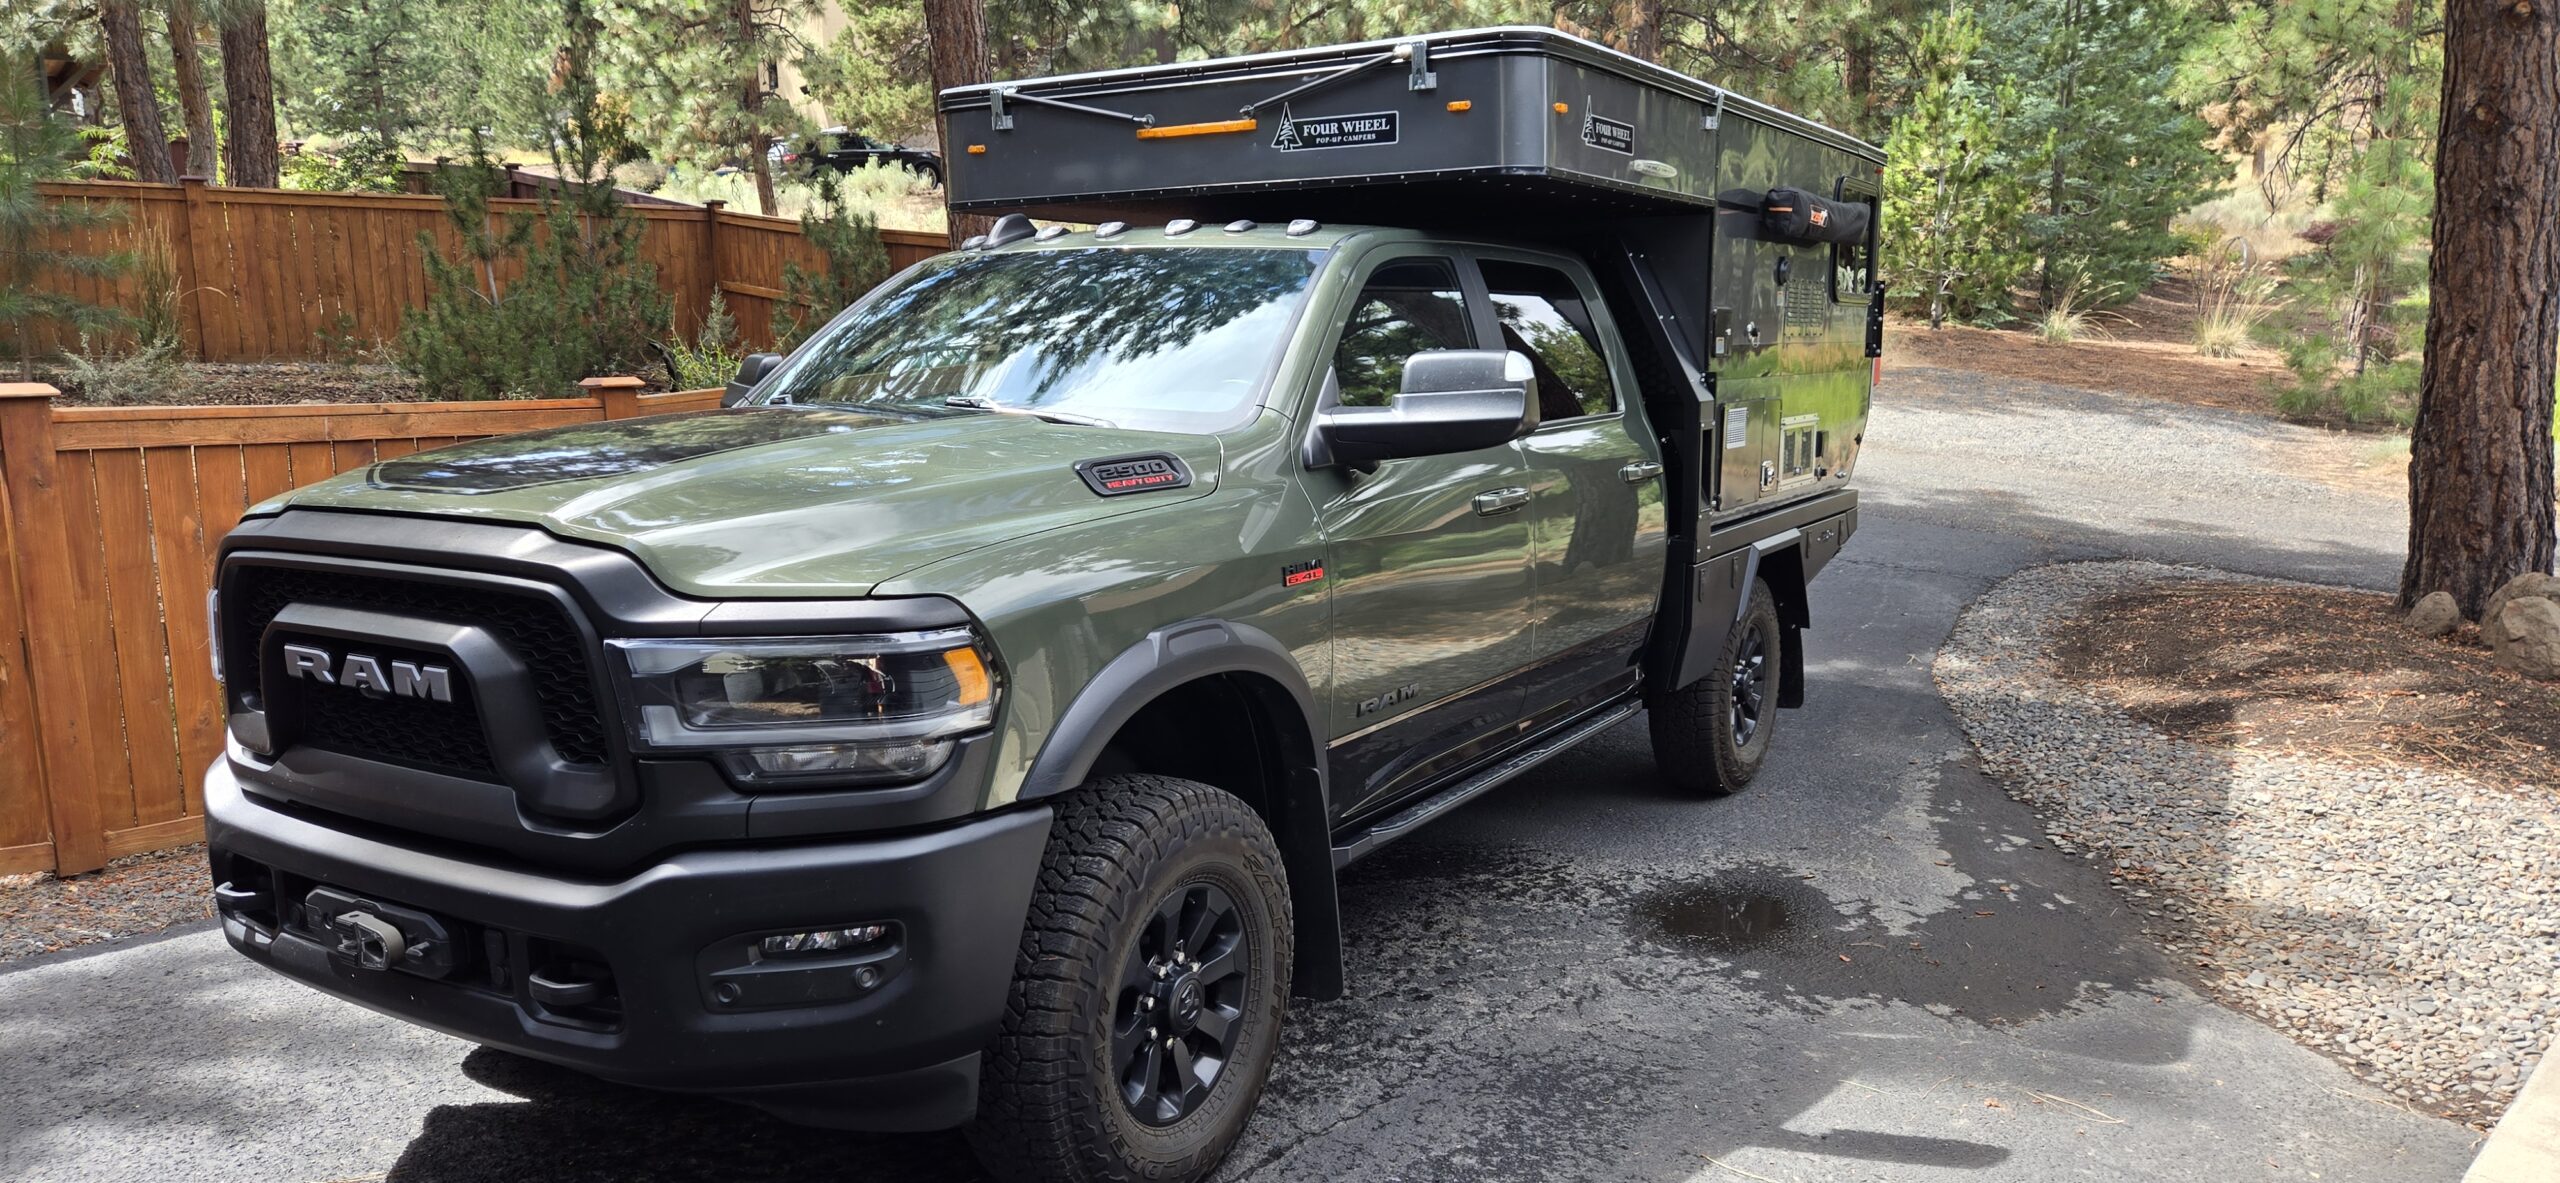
(276,274)
(109,519)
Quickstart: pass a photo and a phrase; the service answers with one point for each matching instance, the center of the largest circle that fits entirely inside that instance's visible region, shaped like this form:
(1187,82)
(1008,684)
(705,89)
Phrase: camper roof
(1395,129)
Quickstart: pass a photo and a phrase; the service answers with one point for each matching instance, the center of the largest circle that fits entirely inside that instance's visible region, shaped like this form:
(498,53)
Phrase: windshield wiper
(975,403)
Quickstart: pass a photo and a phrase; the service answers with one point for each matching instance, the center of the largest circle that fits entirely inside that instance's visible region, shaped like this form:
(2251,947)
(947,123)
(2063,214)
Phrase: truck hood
(783,501)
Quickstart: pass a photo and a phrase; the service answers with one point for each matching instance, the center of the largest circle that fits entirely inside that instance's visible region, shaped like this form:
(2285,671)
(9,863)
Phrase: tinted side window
(1853,264)
(1408,306)
(1544,316)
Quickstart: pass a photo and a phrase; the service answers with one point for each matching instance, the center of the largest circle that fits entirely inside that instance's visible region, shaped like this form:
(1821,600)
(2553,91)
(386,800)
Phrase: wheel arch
(1224,704)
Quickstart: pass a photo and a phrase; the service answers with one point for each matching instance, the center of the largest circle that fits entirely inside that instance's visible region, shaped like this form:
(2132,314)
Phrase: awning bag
(1800,216)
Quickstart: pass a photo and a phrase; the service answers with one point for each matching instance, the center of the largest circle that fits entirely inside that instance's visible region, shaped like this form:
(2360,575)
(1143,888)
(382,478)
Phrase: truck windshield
(1153,338)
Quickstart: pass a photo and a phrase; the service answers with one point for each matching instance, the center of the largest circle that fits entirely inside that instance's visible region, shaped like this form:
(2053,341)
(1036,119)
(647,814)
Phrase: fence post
(196,234)
(710,254)
(41,522)
(619,394)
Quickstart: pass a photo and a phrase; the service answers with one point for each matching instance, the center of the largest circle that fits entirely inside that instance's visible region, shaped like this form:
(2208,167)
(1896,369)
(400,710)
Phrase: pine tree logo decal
(1286,139)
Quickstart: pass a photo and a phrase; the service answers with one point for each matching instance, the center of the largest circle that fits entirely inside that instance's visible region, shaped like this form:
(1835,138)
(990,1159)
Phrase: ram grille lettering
(370,676)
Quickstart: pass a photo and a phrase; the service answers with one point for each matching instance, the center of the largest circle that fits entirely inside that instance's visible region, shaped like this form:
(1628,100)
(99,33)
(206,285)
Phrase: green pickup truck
(967,726)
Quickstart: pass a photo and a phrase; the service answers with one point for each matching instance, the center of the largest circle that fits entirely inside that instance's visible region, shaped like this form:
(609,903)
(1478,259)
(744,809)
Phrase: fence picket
(266,274)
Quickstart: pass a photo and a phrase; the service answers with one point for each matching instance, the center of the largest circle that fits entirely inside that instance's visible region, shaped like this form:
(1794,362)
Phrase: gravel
(134,895)
(2403,920)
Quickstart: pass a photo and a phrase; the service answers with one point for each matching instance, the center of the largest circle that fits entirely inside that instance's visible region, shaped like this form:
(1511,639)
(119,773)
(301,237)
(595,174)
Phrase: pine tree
(37,144)
(856,263)
(2122,156)
(585,304)
(1955,195)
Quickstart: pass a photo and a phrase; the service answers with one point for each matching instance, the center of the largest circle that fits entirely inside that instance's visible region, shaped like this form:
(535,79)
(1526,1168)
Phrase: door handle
(1640,471)
(1494,502)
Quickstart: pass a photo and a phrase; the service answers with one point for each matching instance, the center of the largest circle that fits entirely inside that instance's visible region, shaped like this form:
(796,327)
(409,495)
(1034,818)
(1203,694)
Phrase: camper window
(1853,264)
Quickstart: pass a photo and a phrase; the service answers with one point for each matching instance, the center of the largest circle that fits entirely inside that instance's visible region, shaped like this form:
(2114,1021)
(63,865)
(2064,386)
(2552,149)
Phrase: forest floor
(2142,349)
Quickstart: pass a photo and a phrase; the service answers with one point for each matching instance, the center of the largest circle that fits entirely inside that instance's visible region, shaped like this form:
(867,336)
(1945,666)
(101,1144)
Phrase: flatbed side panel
(1810,533)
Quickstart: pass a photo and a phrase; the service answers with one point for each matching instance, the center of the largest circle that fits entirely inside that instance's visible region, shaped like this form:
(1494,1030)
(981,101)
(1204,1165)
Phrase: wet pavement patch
(1744,908)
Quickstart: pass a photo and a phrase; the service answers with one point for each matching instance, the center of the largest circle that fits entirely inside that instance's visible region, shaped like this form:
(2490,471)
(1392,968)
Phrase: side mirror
(1453,400)
(750,372)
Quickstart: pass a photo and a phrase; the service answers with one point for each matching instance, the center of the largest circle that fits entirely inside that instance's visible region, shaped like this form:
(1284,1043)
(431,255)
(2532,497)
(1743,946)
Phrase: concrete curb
(2525,1146)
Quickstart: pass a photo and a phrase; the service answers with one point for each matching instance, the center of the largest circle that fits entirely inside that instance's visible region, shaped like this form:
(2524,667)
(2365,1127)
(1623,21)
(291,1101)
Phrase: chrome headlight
(860,709)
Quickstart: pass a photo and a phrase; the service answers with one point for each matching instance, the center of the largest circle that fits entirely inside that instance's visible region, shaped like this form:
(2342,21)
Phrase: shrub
(711,358)
(583,303)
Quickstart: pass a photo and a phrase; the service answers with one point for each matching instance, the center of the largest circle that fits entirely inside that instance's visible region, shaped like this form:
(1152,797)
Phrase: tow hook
(369,940)
(371,934)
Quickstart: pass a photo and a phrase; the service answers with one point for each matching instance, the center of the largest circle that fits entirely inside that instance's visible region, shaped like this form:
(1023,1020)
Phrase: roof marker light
(1049,232)
(1301,227)
(1110,230)
(1179,227)
(1240,225)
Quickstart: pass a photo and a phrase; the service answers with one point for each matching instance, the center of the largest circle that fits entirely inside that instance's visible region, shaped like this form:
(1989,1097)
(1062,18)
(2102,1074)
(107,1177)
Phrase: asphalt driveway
(1867,967)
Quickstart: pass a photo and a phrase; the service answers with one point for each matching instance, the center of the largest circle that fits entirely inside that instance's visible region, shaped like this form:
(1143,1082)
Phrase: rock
(2530,585)
(2435,615)
(2525,637)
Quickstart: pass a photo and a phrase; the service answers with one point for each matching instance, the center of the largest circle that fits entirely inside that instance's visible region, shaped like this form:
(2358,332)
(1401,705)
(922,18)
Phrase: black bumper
(898,1054)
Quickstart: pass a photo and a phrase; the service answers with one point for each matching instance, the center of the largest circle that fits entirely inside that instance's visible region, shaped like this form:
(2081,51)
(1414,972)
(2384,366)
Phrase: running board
(1410,818)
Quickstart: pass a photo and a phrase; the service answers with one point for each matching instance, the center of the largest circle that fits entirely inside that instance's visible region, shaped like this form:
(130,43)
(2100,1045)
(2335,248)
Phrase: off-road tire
(1050,1109)
(1696,740)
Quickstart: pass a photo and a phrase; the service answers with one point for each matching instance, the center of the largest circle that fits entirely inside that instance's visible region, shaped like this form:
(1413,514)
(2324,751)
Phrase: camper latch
(1423,77)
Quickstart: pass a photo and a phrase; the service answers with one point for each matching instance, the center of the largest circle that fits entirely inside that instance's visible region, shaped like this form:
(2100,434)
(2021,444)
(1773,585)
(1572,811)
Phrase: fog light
(822,941)
(849,762)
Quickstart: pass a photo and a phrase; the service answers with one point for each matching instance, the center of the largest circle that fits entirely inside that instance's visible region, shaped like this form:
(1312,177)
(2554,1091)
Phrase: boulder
(2533,584)
(2525,637)
(2435,615)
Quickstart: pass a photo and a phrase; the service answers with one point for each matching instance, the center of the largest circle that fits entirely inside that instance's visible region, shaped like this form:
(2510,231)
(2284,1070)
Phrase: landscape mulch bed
(138,894)
(2324,672)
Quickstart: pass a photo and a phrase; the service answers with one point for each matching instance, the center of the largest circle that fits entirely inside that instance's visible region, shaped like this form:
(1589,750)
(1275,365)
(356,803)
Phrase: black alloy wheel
(1182,990)
(1750,696)
(1711,737)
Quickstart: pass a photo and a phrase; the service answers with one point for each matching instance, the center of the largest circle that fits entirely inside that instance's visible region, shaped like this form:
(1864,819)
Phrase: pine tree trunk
(957,33)
(1644,40)
(2480,464)
(137,102)
(195,103)
(248,99)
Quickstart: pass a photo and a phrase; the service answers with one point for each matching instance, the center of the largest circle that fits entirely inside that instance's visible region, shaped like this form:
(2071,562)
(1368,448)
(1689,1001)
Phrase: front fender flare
(1299,814)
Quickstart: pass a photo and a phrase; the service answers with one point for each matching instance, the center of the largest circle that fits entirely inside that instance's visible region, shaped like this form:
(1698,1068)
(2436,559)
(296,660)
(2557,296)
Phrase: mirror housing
(1453,400)
(750,372)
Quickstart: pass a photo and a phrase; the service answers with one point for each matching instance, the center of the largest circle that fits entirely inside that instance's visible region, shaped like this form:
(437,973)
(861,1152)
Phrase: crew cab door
(1596,518)
(1427,556)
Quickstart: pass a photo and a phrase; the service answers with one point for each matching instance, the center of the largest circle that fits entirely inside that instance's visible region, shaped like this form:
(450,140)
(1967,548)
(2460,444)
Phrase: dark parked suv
(845,151)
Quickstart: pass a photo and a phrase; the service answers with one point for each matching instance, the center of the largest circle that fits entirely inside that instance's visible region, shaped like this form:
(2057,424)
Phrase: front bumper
(899,1054)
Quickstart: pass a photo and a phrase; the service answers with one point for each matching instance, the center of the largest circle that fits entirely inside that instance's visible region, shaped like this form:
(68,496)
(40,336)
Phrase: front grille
(531,626)
(437,736)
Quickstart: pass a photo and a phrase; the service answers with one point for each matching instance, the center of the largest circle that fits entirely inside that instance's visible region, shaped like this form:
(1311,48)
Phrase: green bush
(582,304)
(712,357)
